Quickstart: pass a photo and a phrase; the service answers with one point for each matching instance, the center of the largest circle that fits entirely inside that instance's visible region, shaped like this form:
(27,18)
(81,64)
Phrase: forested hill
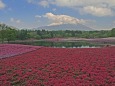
(79,27)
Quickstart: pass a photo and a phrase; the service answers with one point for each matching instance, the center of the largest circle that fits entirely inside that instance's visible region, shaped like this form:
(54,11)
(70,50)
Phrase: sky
(97,14)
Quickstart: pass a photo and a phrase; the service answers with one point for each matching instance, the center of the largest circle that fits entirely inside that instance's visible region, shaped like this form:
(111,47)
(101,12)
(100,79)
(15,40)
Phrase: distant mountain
(66,27)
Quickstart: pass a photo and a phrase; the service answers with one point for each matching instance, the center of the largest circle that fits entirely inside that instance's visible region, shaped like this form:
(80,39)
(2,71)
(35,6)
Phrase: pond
(80,44)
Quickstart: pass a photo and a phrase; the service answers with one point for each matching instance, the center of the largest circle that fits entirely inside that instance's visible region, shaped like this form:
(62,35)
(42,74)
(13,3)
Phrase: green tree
(23,34)
(2,31)
(10,34)
(113,32)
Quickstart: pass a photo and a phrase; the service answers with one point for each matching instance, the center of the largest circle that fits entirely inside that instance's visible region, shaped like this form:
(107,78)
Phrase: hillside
(66,27)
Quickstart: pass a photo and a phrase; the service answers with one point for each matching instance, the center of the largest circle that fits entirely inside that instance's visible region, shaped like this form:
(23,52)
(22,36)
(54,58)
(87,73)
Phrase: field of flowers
(8,50)
(60,67)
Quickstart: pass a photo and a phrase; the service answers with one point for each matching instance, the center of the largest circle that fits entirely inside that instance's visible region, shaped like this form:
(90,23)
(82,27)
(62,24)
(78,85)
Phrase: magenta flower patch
(59,67)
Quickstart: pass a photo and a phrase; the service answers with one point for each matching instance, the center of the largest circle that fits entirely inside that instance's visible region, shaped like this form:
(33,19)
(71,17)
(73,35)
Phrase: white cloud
(68,3)
(38,16)
(53,24)
(93,5)
(72,3)
(2,5)
(30,1)
(15,20)
(44,3)
(62,19)
(97,11)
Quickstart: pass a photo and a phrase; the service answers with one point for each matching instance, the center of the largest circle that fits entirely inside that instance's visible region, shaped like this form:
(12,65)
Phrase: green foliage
(23,34)
(8,34)
(42,34)
(2,32)
(113,32)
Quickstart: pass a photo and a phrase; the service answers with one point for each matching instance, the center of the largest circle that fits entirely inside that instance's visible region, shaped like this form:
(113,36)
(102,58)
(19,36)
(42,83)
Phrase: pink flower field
(45,66)
(8,50)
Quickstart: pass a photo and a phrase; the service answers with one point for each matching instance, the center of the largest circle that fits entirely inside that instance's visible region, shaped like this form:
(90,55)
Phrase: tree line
(8,34)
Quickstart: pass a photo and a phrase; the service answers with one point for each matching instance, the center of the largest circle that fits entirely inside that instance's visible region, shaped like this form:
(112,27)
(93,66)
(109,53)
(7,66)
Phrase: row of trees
(42,34)
(10,34)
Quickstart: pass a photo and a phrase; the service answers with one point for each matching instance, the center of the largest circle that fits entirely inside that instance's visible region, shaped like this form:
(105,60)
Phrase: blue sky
(98,14)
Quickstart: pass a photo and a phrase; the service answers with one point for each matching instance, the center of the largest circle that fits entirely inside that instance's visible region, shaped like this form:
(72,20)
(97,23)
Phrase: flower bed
(60,67)
(8,50)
